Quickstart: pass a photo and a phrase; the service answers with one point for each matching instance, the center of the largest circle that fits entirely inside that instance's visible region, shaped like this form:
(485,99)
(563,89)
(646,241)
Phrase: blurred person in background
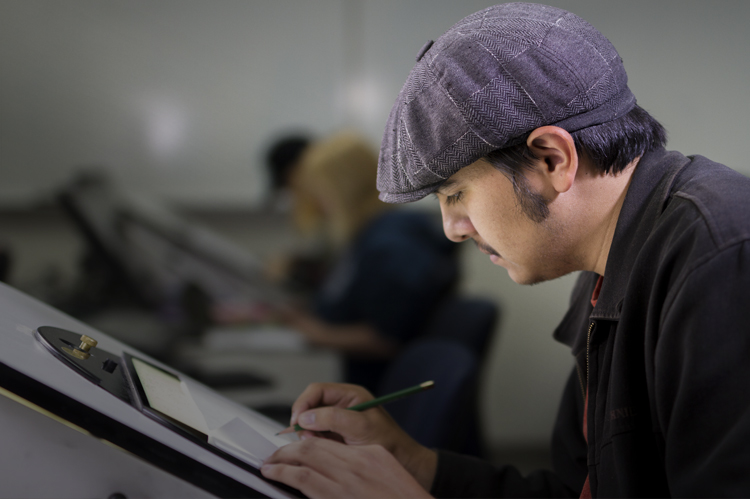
(281,159)
(300,271)
(390,268)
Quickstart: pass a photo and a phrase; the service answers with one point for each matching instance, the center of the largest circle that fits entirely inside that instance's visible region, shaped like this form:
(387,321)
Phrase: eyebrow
(447,184)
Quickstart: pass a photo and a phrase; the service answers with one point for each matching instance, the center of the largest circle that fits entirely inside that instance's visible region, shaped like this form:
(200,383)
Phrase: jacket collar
(645,200)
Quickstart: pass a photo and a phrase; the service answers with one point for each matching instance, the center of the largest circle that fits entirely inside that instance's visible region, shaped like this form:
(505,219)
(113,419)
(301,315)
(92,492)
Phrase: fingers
(322,408)
(310,466)
(323,468)
(328,394)
(310,482)
(357,428)
(315,453)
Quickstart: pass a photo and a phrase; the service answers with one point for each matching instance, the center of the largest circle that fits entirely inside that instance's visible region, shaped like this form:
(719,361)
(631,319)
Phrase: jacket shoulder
(720,197)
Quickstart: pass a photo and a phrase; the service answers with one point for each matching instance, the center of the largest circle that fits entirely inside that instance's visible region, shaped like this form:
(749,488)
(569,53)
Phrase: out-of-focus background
(177,102)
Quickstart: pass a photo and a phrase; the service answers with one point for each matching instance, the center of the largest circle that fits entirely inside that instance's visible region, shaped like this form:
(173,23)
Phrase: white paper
(241,440)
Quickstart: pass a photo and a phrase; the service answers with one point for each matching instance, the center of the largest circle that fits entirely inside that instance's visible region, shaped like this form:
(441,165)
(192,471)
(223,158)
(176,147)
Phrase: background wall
(178,98)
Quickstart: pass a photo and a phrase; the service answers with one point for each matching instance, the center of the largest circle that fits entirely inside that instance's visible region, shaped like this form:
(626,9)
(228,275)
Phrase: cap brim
(408,197)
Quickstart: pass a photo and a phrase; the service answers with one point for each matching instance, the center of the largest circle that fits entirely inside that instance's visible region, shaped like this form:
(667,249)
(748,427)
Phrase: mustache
(485,248)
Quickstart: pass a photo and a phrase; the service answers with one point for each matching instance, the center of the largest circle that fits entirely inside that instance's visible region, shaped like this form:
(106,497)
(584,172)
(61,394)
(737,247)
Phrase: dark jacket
(665,353)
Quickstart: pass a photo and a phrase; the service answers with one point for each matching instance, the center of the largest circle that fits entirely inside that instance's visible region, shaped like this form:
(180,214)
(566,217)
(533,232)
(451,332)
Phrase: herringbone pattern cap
(489,80)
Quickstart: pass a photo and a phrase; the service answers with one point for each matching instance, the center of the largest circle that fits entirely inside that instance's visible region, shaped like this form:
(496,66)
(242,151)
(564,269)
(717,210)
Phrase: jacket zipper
(588,345)
(584,383)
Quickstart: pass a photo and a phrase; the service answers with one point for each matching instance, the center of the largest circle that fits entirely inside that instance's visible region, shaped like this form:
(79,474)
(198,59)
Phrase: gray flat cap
(489,80)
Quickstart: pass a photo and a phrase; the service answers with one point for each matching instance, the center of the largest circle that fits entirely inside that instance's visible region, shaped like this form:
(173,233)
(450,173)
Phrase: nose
(456,224)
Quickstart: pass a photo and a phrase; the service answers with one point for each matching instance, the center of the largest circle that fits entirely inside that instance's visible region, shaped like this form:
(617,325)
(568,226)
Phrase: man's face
(478,202)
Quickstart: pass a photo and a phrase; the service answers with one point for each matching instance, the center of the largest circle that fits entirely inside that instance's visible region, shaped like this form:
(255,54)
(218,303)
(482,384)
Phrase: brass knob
(87,343)
(78,354)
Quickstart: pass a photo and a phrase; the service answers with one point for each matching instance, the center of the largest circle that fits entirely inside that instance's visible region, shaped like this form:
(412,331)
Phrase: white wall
(179,98)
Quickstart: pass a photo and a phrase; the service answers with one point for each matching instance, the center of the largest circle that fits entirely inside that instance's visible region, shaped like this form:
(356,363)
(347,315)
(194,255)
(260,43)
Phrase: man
(519,118)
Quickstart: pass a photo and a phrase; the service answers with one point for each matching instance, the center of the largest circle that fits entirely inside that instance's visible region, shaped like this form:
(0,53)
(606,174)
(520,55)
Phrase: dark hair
(610,146)
(282,156)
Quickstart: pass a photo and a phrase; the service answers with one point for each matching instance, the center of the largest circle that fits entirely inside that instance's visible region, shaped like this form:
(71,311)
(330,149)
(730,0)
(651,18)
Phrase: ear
(556,149)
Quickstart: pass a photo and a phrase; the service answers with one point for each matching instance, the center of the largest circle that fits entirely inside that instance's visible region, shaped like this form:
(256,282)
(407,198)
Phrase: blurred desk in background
(280,358)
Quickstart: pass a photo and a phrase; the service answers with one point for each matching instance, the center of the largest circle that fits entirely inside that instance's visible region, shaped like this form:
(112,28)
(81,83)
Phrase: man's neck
(608,201)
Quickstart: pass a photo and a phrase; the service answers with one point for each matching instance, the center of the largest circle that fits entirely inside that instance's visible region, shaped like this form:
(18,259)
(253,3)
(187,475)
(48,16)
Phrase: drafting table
(83,418)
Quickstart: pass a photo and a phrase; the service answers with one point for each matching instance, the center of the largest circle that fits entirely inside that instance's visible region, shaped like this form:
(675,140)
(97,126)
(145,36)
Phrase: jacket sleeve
(702,378)
(468,476)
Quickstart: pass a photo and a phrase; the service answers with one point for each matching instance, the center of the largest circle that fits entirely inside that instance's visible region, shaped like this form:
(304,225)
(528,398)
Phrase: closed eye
(453,198)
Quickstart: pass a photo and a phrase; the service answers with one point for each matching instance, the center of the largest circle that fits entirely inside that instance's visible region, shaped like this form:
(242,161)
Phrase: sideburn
(512,161)
(533,204)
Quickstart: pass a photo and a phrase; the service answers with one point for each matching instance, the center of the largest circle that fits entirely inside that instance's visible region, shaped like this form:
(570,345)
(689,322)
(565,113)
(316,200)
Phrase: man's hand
(322,408)
(322,468)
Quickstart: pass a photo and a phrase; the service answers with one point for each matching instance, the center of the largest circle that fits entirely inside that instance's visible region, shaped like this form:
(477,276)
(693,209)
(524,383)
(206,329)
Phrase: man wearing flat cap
(519,119)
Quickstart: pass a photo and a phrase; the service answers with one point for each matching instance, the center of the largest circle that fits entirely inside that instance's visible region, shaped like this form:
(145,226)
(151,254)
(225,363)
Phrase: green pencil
(378,401)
